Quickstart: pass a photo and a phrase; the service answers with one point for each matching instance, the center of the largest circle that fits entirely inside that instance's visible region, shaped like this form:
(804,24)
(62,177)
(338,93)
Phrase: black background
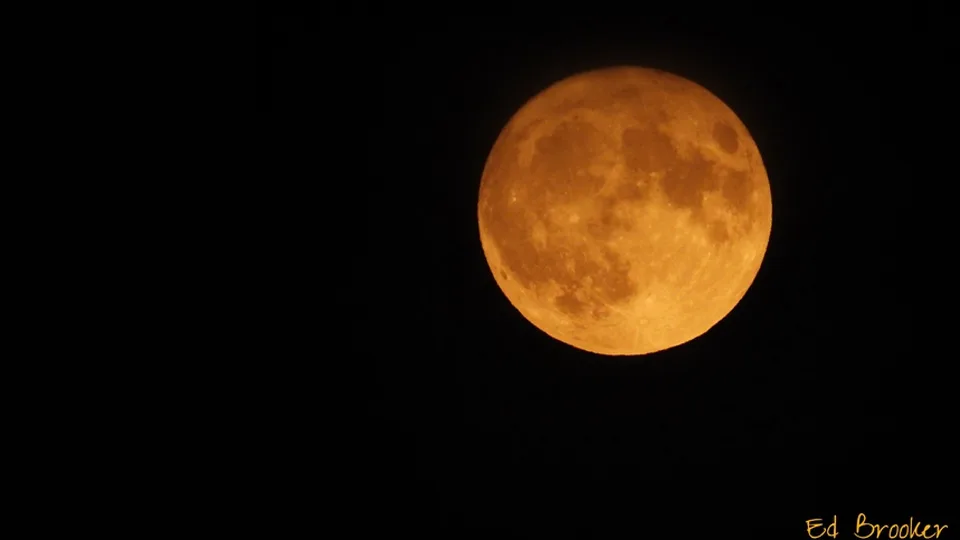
(822,393)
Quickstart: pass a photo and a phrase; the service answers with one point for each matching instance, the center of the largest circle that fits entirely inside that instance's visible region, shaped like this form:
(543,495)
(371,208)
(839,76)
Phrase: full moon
(624,211)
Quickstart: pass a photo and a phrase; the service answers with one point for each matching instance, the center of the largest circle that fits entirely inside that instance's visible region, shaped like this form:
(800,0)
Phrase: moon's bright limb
(624,211)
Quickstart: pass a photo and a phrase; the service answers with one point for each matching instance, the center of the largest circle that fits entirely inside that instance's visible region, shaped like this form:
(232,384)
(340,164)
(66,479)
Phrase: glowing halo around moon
(624,211)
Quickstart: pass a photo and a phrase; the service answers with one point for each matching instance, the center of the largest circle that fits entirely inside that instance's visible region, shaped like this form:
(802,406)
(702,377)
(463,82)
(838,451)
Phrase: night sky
(822,393)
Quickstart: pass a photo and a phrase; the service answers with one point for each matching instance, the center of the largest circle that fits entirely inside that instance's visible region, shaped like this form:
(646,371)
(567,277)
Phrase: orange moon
(624,211)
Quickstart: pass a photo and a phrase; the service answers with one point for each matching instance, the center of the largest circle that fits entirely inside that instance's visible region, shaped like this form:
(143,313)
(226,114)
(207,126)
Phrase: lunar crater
(726,137)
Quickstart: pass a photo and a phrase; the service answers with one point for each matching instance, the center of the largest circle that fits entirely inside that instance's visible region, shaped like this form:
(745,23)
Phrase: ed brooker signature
(865,529)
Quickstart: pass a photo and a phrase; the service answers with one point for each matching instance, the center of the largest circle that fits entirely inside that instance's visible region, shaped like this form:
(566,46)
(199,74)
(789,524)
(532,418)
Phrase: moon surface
(624,211)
